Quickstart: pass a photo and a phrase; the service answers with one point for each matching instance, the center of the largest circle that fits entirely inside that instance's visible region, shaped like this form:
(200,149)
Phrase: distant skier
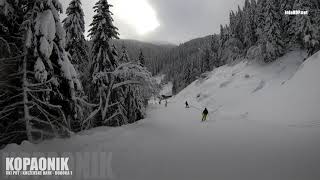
(205,114)
(187,105)
(166,103)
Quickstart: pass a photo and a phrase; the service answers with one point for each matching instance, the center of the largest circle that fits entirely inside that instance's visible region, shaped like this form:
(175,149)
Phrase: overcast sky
(173,21)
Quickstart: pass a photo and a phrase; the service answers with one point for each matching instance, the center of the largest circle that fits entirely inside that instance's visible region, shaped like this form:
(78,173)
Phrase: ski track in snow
(174,144)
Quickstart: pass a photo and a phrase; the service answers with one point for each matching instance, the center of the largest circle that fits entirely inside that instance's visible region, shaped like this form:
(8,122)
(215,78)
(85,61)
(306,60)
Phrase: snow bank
(296,102)
(286,91)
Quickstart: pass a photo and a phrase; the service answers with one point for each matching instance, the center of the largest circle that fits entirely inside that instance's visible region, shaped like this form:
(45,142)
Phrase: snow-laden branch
(44,103)
(126,83)
(133,72)
(6,115)
(114,115)
(39,90)
(94,113)
(13,58)
(85,102)
(40,84)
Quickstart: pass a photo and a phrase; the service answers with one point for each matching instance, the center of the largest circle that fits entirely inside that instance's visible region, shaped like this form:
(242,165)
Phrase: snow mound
(297,101)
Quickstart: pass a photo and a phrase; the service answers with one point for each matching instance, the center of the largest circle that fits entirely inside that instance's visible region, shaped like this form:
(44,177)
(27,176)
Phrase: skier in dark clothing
(187,105)
(205,114)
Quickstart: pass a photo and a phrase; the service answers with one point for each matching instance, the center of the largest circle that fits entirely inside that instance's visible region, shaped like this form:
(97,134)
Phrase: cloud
(138,14)
(180,20)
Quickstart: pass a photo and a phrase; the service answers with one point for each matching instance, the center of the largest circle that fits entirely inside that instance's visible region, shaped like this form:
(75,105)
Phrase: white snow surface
(167,89)
(267,126)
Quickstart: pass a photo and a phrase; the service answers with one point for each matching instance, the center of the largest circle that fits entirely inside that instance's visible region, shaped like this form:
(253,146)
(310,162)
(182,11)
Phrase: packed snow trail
(173,144)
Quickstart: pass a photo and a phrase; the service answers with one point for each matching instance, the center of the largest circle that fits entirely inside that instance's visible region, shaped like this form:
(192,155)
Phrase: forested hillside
(153,53)
(185,63)
(260,31)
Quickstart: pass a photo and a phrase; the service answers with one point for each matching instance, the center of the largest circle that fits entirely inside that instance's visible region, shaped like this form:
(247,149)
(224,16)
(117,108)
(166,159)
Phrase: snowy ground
(167,89)
(266,127)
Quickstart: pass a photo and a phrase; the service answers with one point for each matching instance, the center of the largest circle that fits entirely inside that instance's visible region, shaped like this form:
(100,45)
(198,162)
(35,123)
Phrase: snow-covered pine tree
(246,6)
(232,23)
(129,102)
(45,81)
(139,83)
(287,20)
(272,31)
(205,60)
(124,57)
(74,26)
(306,28)
(222,40)
(134,102)
(12,122)
(214,45)
(239,25)
(247,40)
(174,87)
(260,21)
(10,35)
(253,4)
(53,69)
(250,25)
(187,74)
(230,47)
(255,8)
(223,36)
(110,79)
(104,62)
(195,70)
(141,59)
(102,30)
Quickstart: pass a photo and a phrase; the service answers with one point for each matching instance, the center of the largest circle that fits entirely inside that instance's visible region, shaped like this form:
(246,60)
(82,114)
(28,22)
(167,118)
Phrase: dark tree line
(153,53)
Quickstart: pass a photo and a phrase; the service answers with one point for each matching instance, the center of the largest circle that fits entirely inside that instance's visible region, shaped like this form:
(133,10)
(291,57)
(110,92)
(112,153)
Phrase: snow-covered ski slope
(284,92)
(267,127)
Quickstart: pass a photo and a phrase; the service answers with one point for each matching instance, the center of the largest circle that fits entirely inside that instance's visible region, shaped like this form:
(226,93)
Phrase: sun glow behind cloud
(137,13)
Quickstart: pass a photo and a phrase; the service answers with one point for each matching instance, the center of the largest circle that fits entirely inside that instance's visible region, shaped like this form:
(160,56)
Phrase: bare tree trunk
(27,117)
(109,89)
